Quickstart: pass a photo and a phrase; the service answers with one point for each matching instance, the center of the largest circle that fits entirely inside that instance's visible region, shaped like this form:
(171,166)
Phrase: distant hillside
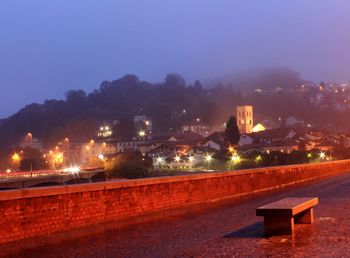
(169,104)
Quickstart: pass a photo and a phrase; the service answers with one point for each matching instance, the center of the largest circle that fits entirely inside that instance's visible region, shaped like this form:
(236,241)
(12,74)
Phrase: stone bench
(280,216)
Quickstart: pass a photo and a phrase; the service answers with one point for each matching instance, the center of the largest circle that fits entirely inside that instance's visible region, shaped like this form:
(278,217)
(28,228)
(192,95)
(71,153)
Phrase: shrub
(131,166)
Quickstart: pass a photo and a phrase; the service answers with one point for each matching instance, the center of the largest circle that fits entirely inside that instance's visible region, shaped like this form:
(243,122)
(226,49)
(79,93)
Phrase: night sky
(50,46)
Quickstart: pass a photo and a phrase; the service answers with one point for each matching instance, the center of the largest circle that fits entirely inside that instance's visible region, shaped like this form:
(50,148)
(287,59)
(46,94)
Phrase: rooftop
(226,229)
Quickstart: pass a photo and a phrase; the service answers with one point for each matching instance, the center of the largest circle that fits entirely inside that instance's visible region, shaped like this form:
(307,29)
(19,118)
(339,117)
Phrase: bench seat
(280,216)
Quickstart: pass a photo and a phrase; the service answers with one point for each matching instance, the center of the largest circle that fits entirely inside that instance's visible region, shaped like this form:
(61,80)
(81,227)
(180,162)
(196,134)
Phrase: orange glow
(231,149)
(58,158)
(16,158)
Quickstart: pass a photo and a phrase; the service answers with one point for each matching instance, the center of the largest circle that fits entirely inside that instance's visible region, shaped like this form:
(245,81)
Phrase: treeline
(169,104)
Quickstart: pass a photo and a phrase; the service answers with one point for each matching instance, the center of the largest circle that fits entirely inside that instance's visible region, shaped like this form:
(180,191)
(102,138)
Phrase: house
(267,136)
(286,147)
(159,143)
(317,99)
(106,129)
(31,142)
(197,127)
(258,128)
(214,141)
(246,139)
(142,125)
(188,137)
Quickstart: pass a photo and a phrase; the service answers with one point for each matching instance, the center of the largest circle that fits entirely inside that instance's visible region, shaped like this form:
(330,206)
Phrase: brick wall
(41,211)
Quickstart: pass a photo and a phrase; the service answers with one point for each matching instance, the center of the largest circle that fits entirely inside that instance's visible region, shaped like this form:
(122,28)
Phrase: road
(229,229)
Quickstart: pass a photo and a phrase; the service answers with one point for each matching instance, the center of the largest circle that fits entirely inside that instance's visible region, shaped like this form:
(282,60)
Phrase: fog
(49,47)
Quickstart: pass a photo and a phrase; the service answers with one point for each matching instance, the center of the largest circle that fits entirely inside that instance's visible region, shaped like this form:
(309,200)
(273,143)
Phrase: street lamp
(15,158)
(322,155)
(159,161)
(235,158)
(208,159)
(231,149)
(191,159)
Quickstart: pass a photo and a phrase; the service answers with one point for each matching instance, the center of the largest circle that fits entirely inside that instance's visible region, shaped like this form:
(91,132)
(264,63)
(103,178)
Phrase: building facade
(245,119)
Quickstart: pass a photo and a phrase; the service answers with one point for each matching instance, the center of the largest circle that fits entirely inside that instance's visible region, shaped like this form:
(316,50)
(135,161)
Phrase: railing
(19,174)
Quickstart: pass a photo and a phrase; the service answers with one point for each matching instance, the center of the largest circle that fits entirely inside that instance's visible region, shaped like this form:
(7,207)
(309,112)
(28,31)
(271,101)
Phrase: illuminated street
(225,230)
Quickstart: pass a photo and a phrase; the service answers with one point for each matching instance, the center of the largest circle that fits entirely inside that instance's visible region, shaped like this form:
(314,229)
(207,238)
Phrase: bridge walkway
(226,230)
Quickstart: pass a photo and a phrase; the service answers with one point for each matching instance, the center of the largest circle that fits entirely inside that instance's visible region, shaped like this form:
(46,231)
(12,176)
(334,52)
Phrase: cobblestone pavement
(228,229)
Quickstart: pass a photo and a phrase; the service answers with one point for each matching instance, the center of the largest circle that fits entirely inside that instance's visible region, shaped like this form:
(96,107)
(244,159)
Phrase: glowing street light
(235,158)
(15,158)
(177,159)
(142,133)
(322,155)
(29,137)
(258,158)
(101,157)
(191,159)
(58,158)
(208,157)
(159,160)
(231,149)
(72,170)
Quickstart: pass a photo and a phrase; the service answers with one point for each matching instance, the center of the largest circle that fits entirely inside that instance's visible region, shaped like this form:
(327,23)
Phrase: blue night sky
(48,47)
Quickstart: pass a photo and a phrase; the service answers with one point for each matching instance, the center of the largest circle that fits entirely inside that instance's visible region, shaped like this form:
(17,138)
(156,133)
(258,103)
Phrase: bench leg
(278,225)
(306,217)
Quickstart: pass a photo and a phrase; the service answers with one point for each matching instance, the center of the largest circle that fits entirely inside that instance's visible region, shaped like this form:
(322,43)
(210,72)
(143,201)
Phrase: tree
(76,97)
(175,80)
(130,165)
(197,85)
(231,132)
(32,160)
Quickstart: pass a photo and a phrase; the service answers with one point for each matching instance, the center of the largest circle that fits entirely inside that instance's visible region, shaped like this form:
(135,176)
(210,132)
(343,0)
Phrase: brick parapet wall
(41,211)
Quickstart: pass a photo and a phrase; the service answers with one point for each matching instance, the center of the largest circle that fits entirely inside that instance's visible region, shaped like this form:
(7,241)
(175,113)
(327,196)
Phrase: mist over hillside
(267,78)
